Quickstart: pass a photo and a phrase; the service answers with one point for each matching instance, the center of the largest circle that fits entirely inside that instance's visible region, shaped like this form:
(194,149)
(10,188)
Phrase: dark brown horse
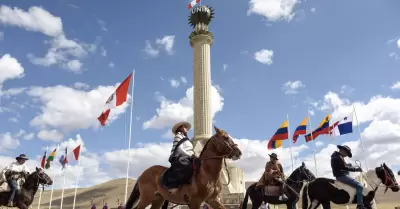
(204,187)
(24,197)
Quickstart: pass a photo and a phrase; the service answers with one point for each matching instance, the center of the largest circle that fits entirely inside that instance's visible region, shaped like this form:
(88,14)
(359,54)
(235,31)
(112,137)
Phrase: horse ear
(217,130)
(37,169)
(303,164)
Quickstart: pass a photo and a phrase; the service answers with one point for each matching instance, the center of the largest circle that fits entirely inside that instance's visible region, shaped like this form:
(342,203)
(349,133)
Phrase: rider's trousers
(13,186)
(357,185)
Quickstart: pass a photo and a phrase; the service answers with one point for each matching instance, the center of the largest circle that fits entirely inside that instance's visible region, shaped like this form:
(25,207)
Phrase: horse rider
(341,169)
(13,172)
(182,156)
(273,175)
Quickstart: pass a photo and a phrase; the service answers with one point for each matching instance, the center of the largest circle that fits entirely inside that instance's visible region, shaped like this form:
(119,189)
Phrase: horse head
(385,174)
(39,177)
(303,174)
(222,144)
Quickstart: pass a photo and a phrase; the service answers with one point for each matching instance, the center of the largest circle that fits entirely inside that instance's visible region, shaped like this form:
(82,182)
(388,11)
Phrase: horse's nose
(50,182)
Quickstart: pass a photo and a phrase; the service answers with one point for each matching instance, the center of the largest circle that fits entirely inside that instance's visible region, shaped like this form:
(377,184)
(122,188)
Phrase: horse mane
(205,146)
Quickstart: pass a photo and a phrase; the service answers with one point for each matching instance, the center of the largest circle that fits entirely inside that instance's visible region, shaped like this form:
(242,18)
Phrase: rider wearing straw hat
(13,172)
(181,158)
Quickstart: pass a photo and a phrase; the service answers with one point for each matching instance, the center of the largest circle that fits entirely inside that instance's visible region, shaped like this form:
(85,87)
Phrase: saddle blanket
(5,188)
(273,190)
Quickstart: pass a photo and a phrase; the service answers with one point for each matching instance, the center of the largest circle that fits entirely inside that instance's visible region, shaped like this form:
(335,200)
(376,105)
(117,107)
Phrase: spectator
(93,206)
(105,206)
(205,206)
(120,206)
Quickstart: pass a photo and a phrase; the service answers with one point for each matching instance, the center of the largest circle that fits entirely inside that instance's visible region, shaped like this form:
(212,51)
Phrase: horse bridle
(38,180)
(230,146)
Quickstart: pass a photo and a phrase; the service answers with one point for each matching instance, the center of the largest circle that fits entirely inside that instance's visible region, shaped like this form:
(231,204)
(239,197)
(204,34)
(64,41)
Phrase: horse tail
(133,198)
(165,205)
(305,197)
(246,197)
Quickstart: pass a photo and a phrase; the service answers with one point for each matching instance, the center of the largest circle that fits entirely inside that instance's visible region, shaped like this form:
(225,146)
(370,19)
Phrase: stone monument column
(201,40)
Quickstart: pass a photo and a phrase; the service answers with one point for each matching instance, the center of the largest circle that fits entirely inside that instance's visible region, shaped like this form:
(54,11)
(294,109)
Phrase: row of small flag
(45,163)
(341,127)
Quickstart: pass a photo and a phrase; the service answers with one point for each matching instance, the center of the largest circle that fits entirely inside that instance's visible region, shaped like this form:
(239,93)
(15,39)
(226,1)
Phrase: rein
(220,156)
(387,179)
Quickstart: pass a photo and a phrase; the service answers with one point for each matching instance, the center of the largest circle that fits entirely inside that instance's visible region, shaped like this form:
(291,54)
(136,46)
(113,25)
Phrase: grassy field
(113,190)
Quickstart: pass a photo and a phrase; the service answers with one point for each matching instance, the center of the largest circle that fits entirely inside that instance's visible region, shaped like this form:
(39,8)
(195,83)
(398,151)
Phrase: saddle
(174,178)
(4,187)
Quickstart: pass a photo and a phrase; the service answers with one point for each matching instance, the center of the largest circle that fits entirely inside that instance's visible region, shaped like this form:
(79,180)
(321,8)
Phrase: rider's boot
(360,207)
(10,204)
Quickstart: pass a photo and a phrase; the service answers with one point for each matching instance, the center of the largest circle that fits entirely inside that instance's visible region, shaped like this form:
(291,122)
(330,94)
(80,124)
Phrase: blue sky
(331,55)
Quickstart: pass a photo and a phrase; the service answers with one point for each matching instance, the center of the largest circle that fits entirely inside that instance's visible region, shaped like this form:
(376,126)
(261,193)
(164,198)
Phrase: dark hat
(273,155)
(22,156)
(346,148)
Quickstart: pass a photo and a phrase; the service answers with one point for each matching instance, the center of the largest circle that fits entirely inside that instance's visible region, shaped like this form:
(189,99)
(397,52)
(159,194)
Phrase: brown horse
(204,187)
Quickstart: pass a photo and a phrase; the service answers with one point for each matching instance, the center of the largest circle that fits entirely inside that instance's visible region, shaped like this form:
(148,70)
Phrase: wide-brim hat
(347,149)
(273,155)
(22,156)
(176,126)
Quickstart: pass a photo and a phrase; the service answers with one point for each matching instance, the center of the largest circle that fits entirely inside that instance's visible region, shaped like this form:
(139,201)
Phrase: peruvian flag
(116,99)
(193,3)
(76,152)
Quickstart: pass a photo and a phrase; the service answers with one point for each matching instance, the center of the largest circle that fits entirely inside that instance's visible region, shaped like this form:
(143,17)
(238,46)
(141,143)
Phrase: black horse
(324,191)
(294,183)
(24,197)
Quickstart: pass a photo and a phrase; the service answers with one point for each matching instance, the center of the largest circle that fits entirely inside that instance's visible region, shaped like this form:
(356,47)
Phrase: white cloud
(8,142)
(64,52)
(103,25)
(80,85)
(52,135)
(224,67)
(66,108)
(174,83)
(10,69)
(345,89)
(394,55)
(150,50)
(111,65)
(264,56)
(396,85)
(1,36)
(292,87)
(183,79)
(29,136)
(319,144)
(166,43)
(35,19)
(103,52)
(313,10)
(13,119)
(67,53)
(171,112)
(398,43)
(273,10)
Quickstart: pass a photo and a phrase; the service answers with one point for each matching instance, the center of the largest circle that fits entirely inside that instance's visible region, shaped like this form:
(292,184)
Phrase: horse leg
(214,203)
(157,202)
(255,204)
(326,205)
(314,204)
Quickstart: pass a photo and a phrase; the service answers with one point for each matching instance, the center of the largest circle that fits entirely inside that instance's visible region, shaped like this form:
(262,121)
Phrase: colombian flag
(301,129)
(323,128)
(281,134)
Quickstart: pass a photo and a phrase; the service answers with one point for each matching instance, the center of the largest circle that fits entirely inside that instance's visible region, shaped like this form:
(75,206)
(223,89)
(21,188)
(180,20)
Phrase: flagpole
(130,137)
(54,178)
(361,141)
(77,179)
(291,154)
(40,193)
(315,150)
(62,192)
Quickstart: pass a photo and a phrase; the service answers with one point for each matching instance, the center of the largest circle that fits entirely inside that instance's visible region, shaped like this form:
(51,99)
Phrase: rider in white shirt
(13,172)
(182,155)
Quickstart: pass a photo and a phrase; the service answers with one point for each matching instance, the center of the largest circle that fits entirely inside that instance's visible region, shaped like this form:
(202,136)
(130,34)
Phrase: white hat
(176,126)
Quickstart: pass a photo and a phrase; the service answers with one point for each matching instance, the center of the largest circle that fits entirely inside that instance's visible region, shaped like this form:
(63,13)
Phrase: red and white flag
(76,152)
(193,3)
(116,99)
